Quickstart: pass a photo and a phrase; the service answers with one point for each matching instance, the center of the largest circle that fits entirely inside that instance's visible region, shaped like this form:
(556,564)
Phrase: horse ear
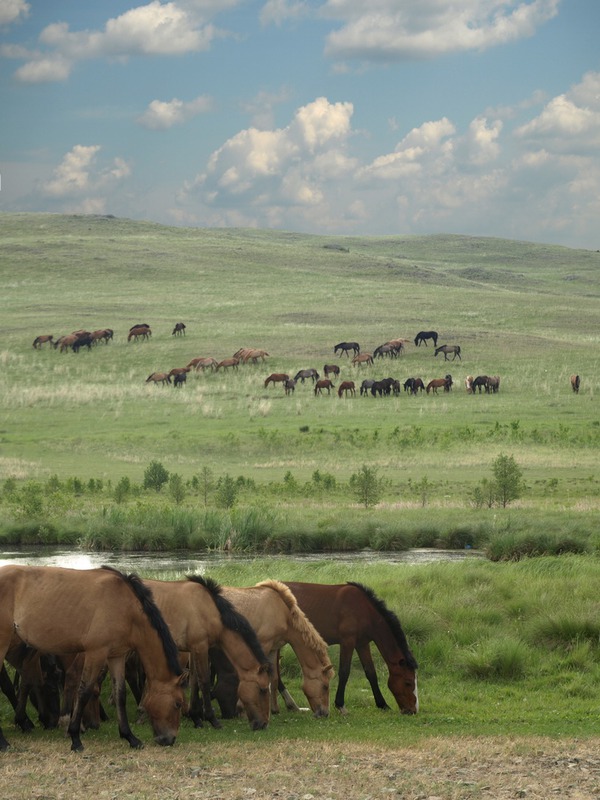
(329,670)
(184,679)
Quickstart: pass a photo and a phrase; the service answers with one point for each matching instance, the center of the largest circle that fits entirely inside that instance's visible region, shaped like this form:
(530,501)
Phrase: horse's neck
(238,652)
(308,656)
(384,639)
(150,649)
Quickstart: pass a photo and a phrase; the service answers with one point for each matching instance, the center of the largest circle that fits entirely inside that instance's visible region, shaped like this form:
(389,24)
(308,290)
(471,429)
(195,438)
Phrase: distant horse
(493,383)
(37,676)
(200,617)
(449,383)
(179,329)
(179,379)
(362,358)
(324,383)
(159,377)
(273,611)
(422,337)
(102,335)
(391,349)
(331,369)
(227,363)
(139,332)
(202,362)
(345,347)
(437,383)
(469,384)
(82,339)
(481,382)
(307,373)
(347,387)
(365,386)
(178,371)
(448,349)
(277,377)
(246,354)
(351,615)
(575,382)
(103,614)
(413,385)
(40,340)
(385,387)
(289,386)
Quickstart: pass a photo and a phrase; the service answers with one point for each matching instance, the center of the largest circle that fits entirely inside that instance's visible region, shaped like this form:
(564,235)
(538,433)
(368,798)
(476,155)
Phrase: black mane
(392,621)
(151,610)
(231,618)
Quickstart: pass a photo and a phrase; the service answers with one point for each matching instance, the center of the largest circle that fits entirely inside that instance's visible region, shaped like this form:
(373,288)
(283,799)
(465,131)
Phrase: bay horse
(324,383)
(347,387)
(277,377)
(40,340)
(179,329)
(158,377)
(352,616)
(139,332)
(449,349)
(575,383)
(274,613)
(307,373)
(199,617)
(422,336)
(437,383)
(331,369)
(103,614)
(102,335)
(362,358)
(345,347)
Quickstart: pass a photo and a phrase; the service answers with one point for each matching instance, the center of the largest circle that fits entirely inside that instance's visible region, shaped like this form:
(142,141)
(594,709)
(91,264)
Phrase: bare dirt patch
(436,769)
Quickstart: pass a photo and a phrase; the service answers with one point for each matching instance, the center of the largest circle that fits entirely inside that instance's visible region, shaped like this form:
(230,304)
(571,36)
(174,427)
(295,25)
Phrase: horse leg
(364,653)
(346,651)
(116,667)
(201,708)
(89,674)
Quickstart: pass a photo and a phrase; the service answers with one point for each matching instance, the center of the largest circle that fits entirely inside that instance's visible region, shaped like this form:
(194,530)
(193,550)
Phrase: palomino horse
(331,369)
(200,617)
(352,616)
(179,329)
(324,383)
(103,614)
(307,373)
(422,337)
(277,377)
(139,332)
(469,384)
(438,383)
(362,358)
(449,349)
(575,383)
(40,340)
(159,377)
(272,610)
(345,347)
(347,387)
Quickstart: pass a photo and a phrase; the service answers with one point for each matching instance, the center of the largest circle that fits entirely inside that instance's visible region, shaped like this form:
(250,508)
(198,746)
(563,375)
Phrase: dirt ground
(438,769)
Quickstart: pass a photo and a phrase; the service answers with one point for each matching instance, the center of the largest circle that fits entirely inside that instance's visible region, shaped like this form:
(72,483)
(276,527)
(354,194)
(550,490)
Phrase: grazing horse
(277,377)
(331,369)
(139,332)
(103,614)
(575,382)
(493,383)
(392,349)
(307,373)
(103,334)
(274,613)
(40,340)
(179,329)
(362,358)
(469,384)
(347,387)
(202,362)
(365,386)
(39,676)
(228,363)
(200,617)
(481,382)
(437,383)
(414,385)
(422,337)
(448,349)
(351,615)
(246,354)
(324,383)
(289,386)
(345,347)
(159,377)
(180,379)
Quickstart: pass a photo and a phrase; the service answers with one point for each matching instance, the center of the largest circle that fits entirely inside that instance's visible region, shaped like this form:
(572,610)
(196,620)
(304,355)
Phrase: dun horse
(199,617)
(158,377)
(40,340)
(352,616)
(272,610)
(449,349)
(103,614)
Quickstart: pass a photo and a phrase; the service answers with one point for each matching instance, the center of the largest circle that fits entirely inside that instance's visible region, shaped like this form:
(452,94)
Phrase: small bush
(496,659)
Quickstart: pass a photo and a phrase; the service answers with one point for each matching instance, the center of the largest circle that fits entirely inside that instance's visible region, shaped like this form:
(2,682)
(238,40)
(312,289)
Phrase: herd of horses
(180,646)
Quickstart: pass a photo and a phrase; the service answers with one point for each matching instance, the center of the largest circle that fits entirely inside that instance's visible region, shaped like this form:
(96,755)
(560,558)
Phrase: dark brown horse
(331,369)
(449,349)
(139,332)
(347,387)
(103,614)
(422,336)
(179,329)
(277,377)
(352,616)
(575,383)
(324,383)
(345,347)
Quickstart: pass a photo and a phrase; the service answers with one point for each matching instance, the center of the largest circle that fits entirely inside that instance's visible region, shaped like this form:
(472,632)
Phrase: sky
(349,117)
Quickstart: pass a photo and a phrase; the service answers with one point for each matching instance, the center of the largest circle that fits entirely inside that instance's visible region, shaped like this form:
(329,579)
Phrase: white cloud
(13,10)
(161,115)
(384,30)
(158,29)
(278,11)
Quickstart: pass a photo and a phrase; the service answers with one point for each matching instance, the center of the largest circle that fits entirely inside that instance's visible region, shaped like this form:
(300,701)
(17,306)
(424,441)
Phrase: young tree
(226,492)
(176,488)
(366,485)
(508,479)
(155,476)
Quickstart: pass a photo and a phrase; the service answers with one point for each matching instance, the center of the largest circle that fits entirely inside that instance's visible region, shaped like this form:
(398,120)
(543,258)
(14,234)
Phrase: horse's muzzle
(165,740)
(321,712)
(257,725)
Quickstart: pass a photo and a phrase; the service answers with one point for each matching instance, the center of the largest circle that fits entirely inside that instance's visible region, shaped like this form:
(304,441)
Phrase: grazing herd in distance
(391,349)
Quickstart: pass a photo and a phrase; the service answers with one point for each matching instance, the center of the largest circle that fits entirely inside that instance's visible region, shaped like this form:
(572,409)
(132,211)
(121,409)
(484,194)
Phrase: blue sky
(478,117)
